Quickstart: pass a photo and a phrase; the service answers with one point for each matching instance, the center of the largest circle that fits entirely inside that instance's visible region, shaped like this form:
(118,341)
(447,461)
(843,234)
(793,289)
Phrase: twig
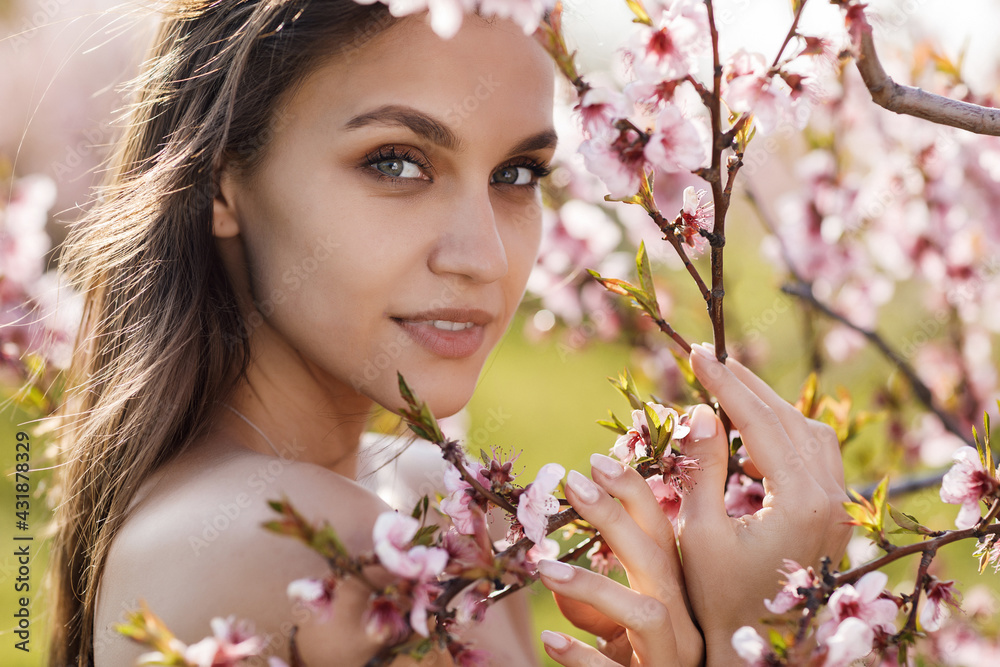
(720,199)
(669,330)
(918,587)
(919,103)
(850,576)
(923,393)
(669,234)
(791,33)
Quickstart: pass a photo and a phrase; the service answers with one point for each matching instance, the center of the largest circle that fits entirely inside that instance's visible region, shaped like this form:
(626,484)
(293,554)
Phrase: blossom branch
(720,199)
(803,291)
(919,103)
(942,538)
(918,587)
(791,33)
(668,232)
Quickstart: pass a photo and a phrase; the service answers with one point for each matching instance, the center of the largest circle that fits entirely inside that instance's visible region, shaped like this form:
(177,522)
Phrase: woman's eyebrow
(418,122)
(536,142)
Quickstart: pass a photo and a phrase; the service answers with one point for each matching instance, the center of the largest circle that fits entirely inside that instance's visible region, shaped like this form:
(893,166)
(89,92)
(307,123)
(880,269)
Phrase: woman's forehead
(489,67)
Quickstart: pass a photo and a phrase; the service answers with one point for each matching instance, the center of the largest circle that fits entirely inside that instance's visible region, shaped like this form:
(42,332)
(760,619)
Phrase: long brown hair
(162,339)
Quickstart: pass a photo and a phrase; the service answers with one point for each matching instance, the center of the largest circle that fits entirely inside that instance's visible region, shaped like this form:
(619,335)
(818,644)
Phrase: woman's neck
(299,413)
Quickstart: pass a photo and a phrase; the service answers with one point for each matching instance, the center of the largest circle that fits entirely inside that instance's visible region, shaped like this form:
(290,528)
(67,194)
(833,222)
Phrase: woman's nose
(470,244)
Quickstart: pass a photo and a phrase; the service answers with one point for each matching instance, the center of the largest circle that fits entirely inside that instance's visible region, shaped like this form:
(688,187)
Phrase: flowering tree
(843,245)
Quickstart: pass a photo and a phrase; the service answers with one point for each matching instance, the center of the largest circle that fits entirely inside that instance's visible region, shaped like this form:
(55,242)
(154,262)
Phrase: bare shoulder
(194,549)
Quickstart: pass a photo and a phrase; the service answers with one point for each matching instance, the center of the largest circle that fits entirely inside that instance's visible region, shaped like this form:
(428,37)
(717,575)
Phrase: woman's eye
(398,168)
(514,176)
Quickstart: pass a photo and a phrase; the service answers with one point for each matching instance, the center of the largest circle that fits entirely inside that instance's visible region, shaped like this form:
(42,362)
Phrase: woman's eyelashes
(522,172)
(394,164)
(399,165)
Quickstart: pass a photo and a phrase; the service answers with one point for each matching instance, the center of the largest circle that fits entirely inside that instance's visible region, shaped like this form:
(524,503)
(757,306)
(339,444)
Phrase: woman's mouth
(456,334)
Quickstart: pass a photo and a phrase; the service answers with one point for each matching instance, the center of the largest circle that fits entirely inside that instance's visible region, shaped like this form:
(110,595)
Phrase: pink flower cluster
(232,641)
(421,565)
(39,313)
(446,16)
(968,483)
(535,506)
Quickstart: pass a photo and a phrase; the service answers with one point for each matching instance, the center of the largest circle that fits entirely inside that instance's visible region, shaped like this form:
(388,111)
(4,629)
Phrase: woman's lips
(452,335)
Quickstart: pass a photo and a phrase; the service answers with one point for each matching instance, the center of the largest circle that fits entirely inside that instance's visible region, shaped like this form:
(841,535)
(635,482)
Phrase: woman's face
(396,216)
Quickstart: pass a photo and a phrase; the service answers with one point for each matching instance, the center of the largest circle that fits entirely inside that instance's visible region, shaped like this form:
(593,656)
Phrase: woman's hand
(647,623)
(730,565)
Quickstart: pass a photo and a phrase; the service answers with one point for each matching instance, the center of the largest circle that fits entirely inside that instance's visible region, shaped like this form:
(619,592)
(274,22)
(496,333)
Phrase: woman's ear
(225,220)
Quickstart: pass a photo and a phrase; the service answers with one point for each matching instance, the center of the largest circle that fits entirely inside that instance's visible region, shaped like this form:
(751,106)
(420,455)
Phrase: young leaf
(907,523)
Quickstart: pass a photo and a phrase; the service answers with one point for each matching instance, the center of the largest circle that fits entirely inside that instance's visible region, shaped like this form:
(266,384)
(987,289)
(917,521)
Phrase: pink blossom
(677,143)
(864,601)
(743,495)
(315,594)
(423,594)
(666,495)
(695,217)
(677,471)
(459,504)
(618,160)
(635,442)
(392,535)
(465,656)
(669,49)
(788,597)
(231,642)
(751,87)
(602,559)
(967,484)
(383,620)
(629,446)
(537,504)
(471,608)
(940,594)
(528,14)
(599,108)
(751,647)
(852,640)
(990,551)
(445,15)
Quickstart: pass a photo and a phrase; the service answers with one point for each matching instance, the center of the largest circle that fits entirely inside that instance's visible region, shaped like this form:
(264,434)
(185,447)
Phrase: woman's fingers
(763,432)
(817,443)
(582,615)
(704,503)
(572,652)
(628,486)
(650,568)
(647,619)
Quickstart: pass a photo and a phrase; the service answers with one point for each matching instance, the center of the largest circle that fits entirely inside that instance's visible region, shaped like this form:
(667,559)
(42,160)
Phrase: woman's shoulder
(194,548)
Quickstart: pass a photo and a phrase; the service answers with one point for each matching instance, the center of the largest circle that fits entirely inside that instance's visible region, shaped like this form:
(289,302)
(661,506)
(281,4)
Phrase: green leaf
(907,523)
(645,272)
(879,502)
(418,416)
(613,424)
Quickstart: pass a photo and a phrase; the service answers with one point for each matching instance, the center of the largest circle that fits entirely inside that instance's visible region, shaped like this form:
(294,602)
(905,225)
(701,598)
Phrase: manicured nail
(556,570)
(586,490)
(702,351)
(554,640)
(607,465)
(704,423)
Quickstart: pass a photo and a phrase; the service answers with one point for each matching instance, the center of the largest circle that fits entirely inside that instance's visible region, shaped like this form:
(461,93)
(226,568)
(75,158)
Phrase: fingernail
(607,465)
(700,350)
(554,640)
(586,490)
(704,423)
(556,570)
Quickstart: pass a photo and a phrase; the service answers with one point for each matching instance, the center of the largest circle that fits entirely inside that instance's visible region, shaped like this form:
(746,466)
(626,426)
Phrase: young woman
(296,192)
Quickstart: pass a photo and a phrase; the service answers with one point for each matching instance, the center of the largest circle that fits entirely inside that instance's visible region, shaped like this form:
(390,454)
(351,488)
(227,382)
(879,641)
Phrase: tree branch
(919,103)
(923,393)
